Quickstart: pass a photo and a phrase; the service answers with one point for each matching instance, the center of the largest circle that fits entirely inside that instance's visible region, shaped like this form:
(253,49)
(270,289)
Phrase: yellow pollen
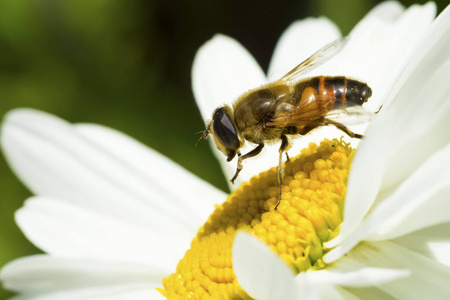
(309,214)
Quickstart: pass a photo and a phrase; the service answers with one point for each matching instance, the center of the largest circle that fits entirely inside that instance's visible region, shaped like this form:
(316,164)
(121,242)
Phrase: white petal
(335,293)
(56,160)
(223,70)
(421,201)
(202,196)
(358,277)
(433,242)
(313,289)
(259,271)
(67,230)
(348,272)
(429,279)
(408,132)
(299,41)
(370,293)
(46,276)
(124,292)
(424,78)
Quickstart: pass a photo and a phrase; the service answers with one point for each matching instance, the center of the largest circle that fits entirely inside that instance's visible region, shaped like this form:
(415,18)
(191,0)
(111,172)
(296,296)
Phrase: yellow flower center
(309,214)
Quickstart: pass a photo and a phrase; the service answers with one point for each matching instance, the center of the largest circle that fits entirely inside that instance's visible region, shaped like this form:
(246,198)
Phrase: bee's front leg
(252,153)
(283,147)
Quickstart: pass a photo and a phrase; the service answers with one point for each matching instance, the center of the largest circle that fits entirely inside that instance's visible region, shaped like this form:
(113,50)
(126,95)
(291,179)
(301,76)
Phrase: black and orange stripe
(336,92)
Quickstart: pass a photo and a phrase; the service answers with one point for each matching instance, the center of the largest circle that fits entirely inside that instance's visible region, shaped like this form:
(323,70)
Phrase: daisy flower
(114,217)
(394,240)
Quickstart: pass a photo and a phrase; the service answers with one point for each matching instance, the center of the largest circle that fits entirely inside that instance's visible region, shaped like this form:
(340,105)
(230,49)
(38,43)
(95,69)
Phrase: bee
(286,107)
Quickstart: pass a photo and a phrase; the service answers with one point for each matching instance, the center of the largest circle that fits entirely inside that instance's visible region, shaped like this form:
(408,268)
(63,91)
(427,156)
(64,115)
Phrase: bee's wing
(315,60)
(351,115)
(312,114)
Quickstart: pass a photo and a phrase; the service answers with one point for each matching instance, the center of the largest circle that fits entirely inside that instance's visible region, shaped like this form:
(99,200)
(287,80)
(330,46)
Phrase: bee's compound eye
(224,130)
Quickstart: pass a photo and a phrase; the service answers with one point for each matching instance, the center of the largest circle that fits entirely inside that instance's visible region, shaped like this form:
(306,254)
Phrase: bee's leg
(283,147)
(344,129)
(252,153)
(379,109)
(287,157)
(305,129)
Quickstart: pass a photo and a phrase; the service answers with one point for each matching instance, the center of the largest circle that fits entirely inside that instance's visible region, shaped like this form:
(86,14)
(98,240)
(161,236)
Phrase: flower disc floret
(309,214)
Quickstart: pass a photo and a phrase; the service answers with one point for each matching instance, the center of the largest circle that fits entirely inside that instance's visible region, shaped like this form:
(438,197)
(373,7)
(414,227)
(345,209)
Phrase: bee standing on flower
(289,107)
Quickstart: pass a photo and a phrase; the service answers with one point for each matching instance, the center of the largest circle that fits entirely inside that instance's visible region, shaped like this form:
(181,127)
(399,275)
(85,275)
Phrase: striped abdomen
(333,92)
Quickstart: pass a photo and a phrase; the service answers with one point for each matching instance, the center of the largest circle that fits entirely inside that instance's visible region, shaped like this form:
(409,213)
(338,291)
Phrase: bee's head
(223,129)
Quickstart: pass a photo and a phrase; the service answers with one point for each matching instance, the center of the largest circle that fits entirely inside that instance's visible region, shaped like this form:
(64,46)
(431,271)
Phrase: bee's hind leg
(252,153)
(344,129)
(283,147)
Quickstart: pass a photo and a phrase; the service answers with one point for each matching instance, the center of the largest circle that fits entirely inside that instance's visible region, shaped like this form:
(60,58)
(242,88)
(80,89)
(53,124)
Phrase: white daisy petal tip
(222,70)
(218,42)
(26,117)
(292,49)
(387,10)
(21,112)
(259,271)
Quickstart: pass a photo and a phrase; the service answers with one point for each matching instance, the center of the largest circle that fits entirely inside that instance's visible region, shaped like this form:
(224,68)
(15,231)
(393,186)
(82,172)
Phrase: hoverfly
(289,106)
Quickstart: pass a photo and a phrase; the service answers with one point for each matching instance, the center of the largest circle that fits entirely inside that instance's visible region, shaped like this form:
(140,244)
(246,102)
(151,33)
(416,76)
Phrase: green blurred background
(126,64)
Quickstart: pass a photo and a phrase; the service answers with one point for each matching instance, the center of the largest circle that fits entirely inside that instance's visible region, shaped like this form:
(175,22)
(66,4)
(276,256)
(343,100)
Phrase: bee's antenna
(204,136)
